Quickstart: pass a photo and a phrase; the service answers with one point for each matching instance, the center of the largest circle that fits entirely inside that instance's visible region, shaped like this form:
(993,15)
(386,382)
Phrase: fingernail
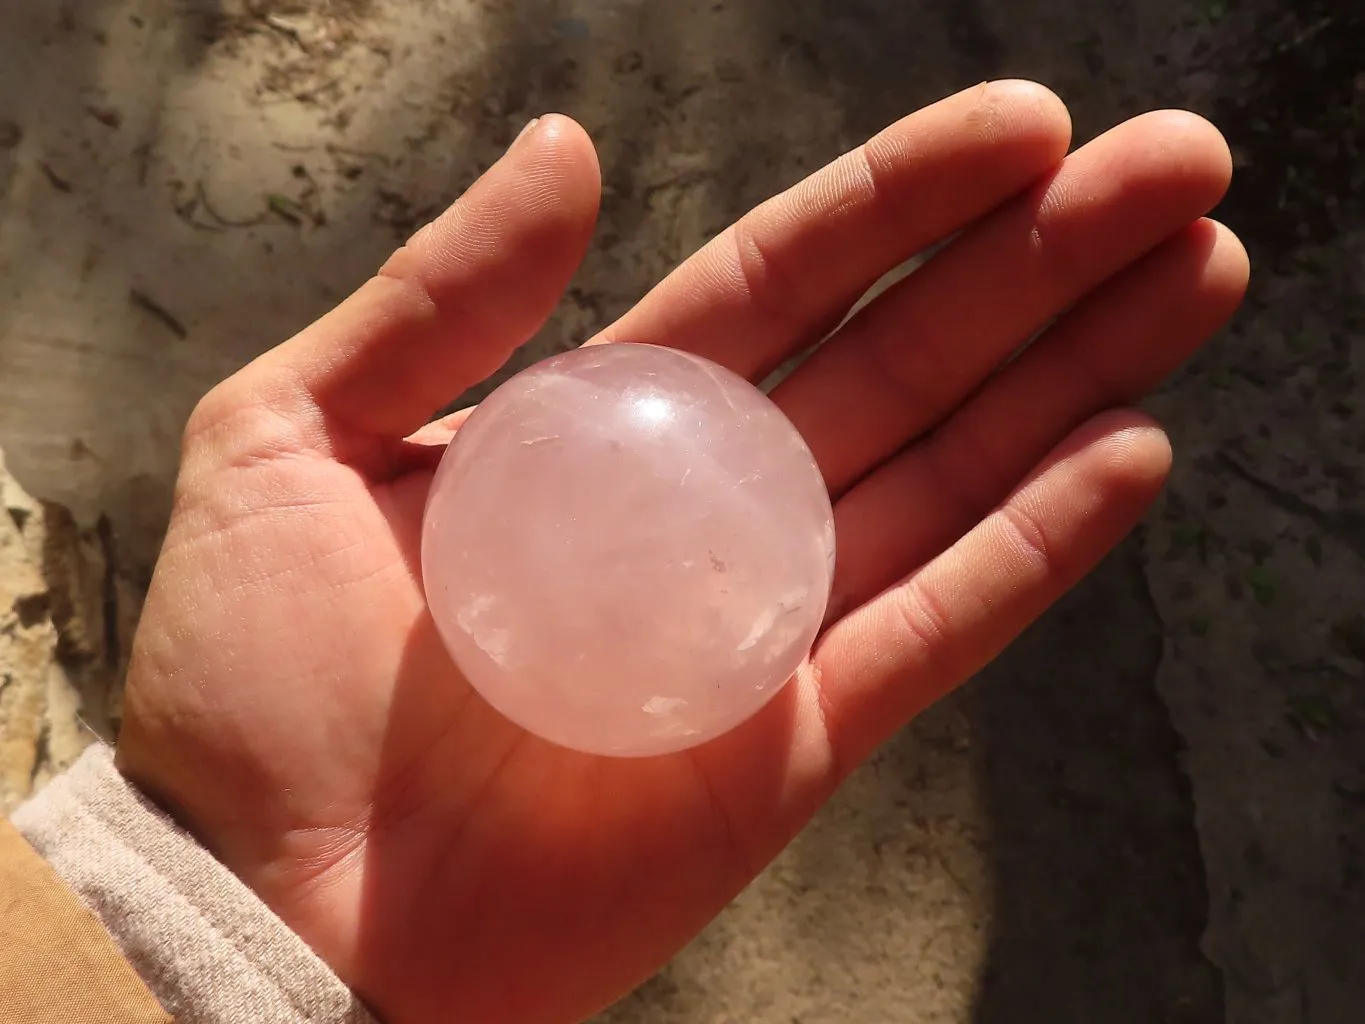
(524,132)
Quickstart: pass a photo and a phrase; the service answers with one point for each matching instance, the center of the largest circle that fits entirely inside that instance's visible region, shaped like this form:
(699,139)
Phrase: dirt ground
(1151,810)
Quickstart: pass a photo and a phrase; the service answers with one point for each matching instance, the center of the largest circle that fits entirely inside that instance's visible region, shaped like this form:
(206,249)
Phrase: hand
(289,699)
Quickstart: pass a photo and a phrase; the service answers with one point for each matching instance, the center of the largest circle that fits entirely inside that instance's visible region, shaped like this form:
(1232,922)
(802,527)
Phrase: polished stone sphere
(628,549)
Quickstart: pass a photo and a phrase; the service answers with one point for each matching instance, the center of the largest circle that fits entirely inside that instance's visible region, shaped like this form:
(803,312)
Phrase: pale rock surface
(66,619)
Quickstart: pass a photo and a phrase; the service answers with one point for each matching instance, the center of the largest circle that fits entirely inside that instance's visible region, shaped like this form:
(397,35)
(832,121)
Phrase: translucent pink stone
(628,550)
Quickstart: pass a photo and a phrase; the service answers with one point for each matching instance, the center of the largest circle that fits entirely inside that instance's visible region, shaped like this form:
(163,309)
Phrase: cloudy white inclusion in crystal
(628,550)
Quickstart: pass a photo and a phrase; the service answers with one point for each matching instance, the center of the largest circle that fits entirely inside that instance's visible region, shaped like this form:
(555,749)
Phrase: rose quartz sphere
(627,549)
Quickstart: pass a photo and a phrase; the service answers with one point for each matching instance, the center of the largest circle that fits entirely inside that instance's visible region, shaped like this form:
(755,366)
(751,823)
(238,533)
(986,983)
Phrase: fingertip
(1198,129)
(1142,451)
(1229,264)
(450,306)
(1025,126)
(1042,105)
(1208,262)
(1127,452)
(551,169)
(1193,144)
(1096,485)
(1028,117)
(564,138)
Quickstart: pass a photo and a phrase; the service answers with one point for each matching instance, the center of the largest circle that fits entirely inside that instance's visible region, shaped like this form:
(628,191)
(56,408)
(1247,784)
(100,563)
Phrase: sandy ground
(1151,810)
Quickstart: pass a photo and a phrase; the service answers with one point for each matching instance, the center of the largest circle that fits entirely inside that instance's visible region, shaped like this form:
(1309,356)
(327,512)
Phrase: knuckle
(769,285)
(1028,536)
(232,426)
(208,415)
(927,624)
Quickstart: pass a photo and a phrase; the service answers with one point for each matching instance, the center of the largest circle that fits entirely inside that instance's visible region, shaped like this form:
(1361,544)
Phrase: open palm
(289,698)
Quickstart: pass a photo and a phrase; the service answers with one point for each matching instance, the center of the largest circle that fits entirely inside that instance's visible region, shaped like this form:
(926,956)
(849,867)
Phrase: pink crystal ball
(627,549)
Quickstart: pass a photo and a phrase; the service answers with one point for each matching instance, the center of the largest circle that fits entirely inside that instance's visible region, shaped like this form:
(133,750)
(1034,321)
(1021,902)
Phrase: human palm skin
(289,699)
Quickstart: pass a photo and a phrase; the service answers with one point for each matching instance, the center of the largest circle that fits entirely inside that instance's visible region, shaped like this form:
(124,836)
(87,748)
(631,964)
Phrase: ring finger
(1109,351)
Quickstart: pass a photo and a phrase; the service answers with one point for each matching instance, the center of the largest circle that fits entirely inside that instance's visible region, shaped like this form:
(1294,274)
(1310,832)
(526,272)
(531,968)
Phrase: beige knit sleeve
(206,946)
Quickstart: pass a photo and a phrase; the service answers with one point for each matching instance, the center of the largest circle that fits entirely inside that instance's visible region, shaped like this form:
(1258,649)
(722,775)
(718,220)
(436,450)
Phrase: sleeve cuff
(205,944)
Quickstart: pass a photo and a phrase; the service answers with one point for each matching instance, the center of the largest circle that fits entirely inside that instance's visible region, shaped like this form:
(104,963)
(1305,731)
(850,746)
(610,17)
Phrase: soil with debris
(1152,809)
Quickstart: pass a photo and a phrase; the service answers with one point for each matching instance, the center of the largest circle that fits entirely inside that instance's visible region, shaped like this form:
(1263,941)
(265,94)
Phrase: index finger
(786,273)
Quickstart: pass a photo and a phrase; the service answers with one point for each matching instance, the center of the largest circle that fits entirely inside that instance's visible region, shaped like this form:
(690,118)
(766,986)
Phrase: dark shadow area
(1291,103)
(1100,894)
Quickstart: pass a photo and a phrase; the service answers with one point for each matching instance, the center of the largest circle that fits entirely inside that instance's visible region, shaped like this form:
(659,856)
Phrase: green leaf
(1312,714)
(1262,585)
(1312,545)
(1187,536)
(283,206)
(1259,549)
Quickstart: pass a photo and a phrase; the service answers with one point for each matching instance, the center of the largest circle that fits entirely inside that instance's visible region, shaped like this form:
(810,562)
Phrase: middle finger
(914,354)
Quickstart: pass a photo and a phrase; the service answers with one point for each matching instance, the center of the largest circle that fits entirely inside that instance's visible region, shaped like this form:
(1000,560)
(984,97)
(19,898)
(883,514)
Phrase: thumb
(450,307)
